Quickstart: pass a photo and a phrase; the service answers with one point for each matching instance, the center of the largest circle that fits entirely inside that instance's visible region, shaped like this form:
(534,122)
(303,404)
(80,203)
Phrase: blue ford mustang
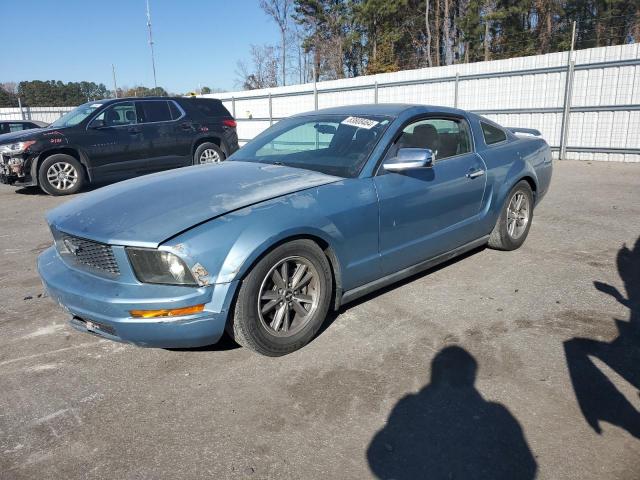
(316,211)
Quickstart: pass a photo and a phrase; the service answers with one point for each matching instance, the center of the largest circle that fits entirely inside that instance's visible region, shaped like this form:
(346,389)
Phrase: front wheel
(283,300)
(61,174)
(514,223)
(208,153)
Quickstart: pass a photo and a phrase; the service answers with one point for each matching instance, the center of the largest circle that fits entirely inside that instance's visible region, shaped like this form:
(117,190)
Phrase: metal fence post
(270,110)
(455,96)
(20,106)
(375,95)
(233,106)
(568,90)
(315,96)
(566,111)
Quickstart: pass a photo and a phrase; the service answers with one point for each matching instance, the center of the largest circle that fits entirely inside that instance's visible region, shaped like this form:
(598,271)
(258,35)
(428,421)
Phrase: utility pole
(153,61)
(115,87)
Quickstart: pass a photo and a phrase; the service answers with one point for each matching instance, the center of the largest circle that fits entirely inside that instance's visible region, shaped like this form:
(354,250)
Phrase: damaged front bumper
(16,169)
(102,306)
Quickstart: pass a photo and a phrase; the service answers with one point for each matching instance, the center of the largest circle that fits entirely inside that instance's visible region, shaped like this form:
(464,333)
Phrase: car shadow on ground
(334,314)
(448,430)
(37,191)
(224,344)
(597,396)
(227,343)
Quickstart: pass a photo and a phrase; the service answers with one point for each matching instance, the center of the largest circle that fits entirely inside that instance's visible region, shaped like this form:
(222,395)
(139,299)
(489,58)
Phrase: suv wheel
(61,174)
(208,153)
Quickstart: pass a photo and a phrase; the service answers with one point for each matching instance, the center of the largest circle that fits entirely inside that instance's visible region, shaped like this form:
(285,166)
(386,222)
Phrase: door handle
(186,126)
(134,130)
(475,173)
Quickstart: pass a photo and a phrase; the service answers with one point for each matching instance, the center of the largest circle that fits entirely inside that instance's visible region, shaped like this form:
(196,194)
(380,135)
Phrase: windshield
(333,144)
(75,116)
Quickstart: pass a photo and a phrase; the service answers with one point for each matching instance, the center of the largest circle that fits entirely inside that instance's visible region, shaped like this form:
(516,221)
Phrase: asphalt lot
(359,401)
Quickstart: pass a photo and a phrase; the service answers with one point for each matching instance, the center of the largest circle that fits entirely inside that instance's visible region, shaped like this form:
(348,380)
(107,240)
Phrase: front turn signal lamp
(167,312)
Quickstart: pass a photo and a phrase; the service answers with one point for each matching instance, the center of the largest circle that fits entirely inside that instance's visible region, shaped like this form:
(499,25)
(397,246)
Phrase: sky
(196,42)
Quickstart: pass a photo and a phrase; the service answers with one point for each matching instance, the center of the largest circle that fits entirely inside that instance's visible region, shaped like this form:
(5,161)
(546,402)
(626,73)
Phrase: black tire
(246,325)
(208,146)
(501,238)
(66,164)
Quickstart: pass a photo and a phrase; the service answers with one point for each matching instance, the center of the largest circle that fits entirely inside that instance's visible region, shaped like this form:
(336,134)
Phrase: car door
(115,143)
(162,131)
(428,211)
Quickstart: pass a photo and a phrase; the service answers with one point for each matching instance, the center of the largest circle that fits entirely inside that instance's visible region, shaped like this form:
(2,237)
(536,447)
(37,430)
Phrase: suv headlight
(17,147)
(158,266)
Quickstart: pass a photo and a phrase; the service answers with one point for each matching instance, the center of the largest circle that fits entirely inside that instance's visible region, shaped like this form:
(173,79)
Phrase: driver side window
(446,137)
(117,115)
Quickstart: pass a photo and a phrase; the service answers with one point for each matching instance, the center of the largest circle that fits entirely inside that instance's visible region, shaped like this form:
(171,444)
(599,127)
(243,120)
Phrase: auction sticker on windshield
(359,122)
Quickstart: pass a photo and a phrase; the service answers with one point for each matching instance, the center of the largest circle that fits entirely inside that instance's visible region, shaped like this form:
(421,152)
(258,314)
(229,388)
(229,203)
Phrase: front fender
(343,215)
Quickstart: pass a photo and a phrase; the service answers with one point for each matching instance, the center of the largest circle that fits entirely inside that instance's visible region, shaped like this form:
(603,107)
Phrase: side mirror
(409,159)
(97,123)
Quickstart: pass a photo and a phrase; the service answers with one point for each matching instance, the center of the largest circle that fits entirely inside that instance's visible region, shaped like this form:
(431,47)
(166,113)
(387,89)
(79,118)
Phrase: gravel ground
(467,371)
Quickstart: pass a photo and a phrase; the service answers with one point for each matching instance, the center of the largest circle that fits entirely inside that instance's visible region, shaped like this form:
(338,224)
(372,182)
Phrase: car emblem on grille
(72,247)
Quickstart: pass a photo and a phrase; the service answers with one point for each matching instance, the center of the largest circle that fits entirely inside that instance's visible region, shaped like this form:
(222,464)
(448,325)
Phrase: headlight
(157,266)
(17,147)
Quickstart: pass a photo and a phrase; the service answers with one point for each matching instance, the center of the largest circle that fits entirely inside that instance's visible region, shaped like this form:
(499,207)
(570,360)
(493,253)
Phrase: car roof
(111,100)
(386,109)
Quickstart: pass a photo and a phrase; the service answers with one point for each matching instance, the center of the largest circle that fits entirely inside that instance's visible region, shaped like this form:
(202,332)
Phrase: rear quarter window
(211,108)
(492,134)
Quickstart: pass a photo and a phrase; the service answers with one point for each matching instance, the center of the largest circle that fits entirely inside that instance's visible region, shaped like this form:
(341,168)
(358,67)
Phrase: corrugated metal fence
(596,94)
(43,114)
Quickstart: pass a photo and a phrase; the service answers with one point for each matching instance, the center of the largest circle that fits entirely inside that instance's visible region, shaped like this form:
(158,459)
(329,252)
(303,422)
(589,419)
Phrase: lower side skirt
(358,292)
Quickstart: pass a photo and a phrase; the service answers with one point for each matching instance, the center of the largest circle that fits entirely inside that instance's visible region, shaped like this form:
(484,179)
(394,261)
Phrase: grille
(93,254)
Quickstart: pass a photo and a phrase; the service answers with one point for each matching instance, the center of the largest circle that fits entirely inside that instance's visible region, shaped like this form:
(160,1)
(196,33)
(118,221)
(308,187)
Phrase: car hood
(20,136)
(148,210)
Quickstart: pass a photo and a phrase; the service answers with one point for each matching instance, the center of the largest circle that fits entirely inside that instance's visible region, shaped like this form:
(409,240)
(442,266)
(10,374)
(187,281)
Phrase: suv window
(492,134)
(118,114)
(175,111)
(446,137)
(211,108)
(153,111)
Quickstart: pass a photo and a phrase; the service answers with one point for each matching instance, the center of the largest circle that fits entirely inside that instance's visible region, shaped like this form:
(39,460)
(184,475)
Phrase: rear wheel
(283,300)
(513,226)
(61,174)
(208,152)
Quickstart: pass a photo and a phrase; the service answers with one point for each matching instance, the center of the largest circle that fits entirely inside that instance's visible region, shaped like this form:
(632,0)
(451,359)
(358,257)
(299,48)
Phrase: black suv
(110,140)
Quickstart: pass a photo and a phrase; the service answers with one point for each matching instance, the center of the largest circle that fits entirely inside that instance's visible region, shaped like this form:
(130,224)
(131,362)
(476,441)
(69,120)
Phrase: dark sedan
(10,126)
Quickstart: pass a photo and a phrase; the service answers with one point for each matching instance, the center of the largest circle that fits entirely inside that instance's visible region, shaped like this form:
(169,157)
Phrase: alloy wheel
(62,175)
(288,296)
(209,156)
(518,215)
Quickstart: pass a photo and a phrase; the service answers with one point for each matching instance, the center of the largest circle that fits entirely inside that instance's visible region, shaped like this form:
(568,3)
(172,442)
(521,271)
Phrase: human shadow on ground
(598,397)
(449,431)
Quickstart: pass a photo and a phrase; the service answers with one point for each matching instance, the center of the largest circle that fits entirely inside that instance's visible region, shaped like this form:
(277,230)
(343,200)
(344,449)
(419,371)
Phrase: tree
(263,72)
(338,38)
(278,10)
(205,90)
